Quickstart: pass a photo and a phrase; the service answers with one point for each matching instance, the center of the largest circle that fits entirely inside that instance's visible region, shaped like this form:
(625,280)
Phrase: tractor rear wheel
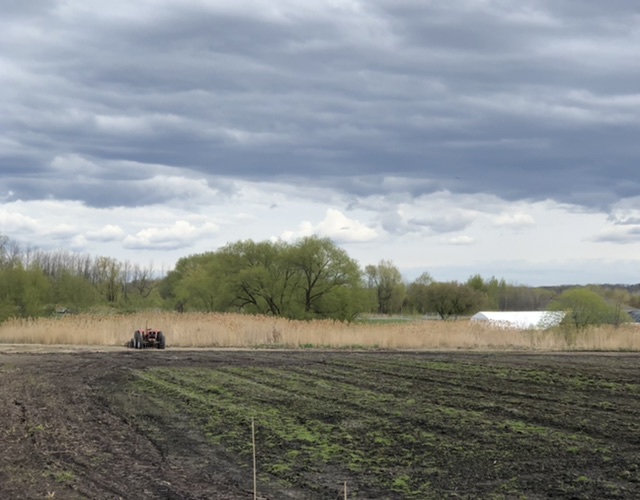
(162,341)
(137,340)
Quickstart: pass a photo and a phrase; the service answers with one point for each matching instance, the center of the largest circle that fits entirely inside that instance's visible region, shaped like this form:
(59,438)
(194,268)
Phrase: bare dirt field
(81,423)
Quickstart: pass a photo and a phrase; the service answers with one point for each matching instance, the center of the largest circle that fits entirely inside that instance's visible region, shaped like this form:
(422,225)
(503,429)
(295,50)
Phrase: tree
(4,243)
(139,284)
(617,298)
(311,278)
(418,293)
(386,281)
(73,292)
(451,299)
(9,252)
(189,285)
(258,277)
(107,278)
(23,293)
(326,273)
(482,289)
(585,307)
(509,297)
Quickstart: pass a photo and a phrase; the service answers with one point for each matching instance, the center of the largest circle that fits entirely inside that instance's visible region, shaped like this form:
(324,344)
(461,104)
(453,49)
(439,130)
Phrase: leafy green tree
(418,293)
(189,286)
(326,272)
(498,294)
(584,307)
(308,279)
(618,299)
(23,293)
(634,301)
(68,280)
(482,288)
(478,283)
(257,277)
(73,292)
(451,299)
(390,290)
(199,288)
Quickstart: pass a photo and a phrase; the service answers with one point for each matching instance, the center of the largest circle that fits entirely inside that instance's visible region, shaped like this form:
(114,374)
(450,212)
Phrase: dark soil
(177,425)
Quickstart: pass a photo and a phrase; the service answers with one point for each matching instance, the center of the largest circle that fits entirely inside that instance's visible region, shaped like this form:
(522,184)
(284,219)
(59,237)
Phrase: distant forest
(308,279)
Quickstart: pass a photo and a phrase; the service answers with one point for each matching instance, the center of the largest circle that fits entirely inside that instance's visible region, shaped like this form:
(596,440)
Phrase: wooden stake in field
(253,439)
(345,490)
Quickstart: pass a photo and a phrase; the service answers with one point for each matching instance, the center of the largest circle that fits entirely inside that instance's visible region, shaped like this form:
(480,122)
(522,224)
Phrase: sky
(491,137)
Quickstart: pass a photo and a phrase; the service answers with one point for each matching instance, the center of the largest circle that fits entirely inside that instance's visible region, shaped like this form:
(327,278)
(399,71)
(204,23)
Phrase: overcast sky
(498,137)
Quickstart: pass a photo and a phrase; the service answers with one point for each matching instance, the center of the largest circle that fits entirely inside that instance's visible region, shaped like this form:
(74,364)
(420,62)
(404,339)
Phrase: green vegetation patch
(396,426)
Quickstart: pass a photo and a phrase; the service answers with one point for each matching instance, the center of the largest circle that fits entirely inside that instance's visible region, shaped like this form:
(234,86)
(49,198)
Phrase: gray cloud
(625,234)
(526,100)
(626,220)
(446,223)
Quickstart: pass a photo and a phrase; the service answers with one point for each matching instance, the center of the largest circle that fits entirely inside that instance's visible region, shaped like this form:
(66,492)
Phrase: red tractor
(148,337)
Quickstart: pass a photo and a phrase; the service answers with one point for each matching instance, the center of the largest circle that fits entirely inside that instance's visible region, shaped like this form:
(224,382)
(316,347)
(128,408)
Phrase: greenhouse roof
(524,320)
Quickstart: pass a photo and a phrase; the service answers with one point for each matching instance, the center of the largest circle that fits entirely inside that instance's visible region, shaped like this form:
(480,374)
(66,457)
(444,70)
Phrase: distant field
(234,330)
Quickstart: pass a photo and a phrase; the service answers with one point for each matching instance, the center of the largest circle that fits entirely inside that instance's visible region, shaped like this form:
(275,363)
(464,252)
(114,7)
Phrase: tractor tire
(162,341)
(137,340)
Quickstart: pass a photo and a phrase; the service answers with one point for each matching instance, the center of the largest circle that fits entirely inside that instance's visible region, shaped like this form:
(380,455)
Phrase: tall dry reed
(234,330)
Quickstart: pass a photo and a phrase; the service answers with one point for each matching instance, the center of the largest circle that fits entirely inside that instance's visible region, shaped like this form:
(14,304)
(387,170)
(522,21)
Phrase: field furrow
(411,426)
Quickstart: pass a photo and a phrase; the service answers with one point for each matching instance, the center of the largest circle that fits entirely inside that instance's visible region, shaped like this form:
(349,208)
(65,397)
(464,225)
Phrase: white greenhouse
(522,320)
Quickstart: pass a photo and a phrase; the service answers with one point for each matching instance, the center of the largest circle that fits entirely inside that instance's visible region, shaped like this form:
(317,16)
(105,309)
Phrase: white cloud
(181,234)
(336,226)
(461,240)
(15,222)
(439,212)
(515,220)
(123,124)
(61,231)
(109,232)
(78,243)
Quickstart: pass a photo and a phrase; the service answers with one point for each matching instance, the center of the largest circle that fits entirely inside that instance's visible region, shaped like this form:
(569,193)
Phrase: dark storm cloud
(524,100)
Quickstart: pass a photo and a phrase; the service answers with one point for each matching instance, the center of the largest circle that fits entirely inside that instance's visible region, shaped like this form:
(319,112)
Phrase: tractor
(148,337)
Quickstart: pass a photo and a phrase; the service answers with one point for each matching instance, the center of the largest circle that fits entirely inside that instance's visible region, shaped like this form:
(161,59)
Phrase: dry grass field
(242,331)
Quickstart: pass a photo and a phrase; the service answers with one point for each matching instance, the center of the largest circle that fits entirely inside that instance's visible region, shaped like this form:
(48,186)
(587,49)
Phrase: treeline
(448,299)
(39,283)
(308,279)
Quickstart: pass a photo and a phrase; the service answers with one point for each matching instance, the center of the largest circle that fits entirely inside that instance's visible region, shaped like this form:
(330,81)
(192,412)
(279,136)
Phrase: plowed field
(178,425)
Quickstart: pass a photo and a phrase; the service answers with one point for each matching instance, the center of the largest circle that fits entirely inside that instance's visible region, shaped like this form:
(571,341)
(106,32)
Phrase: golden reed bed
(234,330)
